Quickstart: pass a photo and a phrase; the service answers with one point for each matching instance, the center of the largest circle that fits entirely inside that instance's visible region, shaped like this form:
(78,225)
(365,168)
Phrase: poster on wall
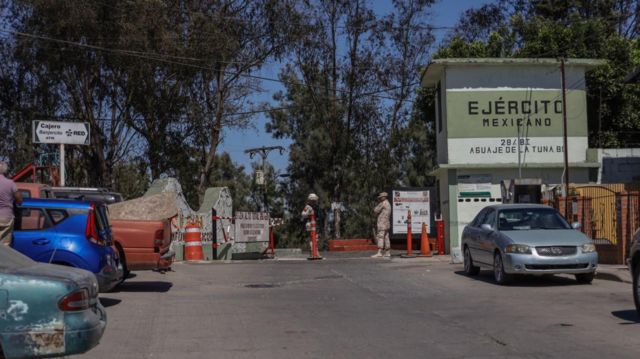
(474,185)
(252,227)
(416,201)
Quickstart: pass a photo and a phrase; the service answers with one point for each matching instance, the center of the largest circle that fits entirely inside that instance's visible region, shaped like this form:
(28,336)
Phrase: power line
(153,56)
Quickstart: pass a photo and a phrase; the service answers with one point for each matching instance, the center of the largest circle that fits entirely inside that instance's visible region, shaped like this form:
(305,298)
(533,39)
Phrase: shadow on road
(546,280)
(631,316)
(140,286)
(109,302)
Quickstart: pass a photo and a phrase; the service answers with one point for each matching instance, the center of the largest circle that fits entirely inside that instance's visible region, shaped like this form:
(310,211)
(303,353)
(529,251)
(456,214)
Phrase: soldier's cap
(383,194)
(313,197)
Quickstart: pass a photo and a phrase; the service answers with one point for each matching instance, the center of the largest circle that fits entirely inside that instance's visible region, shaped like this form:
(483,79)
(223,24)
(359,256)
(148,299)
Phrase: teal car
(47,310)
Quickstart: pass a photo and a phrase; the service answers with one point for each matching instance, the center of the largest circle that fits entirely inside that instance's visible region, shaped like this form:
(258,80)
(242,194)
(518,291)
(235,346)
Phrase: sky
(445,13)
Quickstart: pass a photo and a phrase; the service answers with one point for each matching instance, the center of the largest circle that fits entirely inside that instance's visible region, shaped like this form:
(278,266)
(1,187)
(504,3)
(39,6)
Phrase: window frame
(48,222)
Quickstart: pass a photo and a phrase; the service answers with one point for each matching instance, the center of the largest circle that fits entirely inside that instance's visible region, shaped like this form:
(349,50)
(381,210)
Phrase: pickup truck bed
(143,243)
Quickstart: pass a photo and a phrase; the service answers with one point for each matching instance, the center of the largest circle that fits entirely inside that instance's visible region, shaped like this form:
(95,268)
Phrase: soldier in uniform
(309,209)
(383,224)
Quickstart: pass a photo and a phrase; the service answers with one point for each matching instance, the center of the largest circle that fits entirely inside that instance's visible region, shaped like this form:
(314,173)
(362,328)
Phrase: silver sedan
(527,239)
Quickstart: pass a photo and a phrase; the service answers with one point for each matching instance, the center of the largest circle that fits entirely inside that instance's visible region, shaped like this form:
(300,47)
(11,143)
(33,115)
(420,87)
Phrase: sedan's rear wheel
(636,287)
(499,274)
(585,278)
(469,268)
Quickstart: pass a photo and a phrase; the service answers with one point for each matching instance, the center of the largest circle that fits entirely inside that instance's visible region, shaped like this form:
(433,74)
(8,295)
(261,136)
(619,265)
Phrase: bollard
(409,239)
(440,229)
(270,251)
(193,243)
(314,242)
(425,248)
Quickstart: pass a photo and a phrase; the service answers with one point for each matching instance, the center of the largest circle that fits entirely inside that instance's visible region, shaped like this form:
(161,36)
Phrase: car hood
(548,237)
(81,277)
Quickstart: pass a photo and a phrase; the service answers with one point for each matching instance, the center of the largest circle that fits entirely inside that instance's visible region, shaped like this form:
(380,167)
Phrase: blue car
(46,310)
(70,233)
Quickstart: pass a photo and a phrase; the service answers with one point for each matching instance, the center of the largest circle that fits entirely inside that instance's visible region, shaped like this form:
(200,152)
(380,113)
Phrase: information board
(57,132)
(416,201)
(252,227)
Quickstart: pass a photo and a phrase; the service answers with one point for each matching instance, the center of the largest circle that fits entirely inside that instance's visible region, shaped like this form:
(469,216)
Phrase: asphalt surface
(346,307)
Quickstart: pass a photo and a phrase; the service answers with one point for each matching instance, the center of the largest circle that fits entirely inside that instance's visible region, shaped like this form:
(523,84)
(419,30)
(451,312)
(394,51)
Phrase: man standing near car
(8,196)
(383,224)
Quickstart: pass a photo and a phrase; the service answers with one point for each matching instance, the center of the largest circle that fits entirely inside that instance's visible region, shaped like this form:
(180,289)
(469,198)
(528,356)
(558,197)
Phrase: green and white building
(500,133)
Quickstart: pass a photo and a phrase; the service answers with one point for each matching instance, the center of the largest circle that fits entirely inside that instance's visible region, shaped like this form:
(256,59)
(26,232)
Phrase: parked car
(527,239)
(47,310)
(634,267)
(71,233)
(141,245)
(86,194)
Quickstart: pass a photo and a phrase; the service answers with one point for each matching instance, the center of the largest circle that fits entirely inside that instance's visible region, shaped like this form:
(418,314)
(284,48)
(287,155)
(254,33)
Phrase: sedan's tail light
(78,300)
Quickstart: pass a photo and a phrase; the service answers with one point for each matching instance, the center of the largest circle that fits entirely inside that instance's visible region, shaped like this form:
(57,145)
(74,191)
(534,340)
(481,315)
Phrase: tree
(346,108)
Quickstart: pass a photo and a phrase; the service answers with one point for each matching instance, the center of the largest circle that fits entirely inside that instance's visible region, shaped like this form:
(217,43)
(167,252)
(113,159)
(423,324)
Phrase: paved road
(363,308)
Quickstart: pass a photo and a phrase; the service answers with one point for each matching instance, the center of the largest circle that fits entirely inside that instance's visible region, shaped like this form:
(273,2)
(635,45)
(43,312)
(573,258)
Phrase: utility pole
(264,153)
(564,138)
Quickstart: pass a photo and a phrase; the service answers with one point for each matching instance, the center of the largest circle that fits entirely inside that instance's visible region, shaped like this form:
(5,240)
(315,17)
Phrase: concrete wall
(619,165)
(441,134)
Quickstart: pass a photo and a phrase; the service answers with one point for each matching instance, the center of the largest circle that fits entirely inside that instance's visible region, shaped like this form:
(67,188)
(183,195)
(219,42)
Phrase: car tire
(585,278)
(499,274)
(125,270)
(636,287)
(469,268)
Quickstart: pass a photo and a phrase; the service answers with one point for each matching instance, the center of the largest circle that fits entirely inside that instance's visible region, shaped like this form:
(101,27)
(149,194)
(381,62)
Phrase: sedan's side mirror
(576,225)
(486,227)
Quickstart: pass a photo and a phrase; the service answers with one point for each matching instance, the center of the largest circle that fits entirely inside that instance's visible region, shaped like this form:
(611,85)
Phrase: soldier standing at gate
(310,209)
(383,213)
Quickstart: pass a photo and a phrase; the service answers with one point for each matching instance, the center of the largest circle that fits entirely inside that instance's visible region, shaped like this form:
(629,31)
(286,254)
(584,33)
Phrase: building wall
(513,114)
(441,123)
(619,165)
(504,114)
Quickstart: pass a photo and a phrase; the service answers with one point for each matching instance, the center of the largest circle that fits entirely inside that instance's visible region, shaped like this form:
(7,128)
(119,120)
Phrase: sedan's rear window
(11,259)
(519,219)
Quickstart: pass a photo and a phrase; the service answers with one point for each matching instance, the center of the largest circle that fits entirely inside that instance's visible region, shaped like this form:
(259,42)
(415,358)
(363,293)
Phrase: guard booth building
(499,131)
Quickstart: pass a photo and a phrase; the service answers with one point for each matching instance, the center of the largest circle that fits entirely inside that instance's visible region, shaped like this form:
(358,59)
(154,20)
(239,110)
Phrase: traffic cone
(425,248)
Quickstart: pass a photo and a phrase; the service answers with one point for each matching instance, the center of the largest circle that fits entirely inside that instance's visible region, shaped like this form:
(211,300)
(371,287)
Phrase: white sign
(56,132)
(259,177)
(252,227)
(415,201)
(474,184)
(514,150)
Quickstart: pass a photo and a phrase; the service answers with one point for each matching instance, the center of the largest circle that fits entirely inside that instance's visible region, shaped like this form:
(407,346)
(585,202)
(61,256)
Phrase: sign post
(62,173)
(57,132)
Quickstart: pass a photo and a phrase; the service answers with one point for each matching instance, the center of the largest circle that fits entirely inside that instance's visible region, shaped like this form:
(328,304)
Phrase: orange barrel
(193,243)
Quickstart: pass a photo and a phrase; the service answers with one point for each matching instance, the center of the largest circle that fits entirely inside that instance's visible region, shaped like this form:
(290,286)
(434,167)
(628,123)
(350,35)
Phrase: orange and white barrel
(193,243)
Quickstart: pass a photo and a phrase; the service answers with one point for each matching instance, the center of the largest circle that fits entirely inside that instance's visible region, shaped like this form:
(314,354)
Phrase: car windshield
(519,219)
(11,259)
